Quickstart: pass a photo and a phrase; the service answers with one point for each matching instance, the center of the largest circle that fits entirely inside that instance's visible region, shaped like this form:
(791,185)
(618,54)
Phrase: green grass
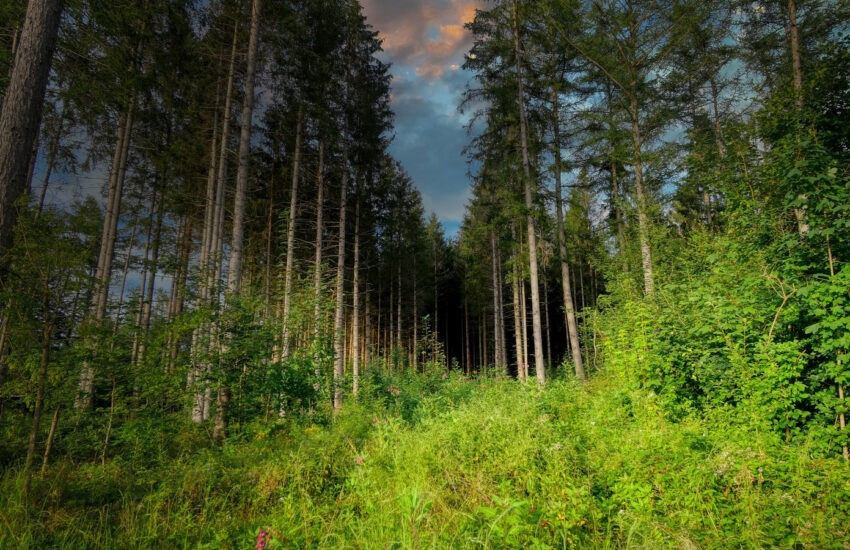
(453,464)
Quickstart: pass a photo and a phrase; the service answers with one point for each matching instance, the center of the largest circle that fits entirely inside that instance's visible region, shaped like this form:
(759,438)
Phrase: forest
(227,319)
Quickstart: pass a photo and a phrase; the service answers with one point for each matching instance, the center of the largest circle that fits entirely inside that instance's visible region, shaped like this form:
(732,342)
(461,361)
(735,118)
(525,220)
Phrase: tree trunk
(795,52)
(794,35)
(398,308)
(643,220)
(52,152)
(130,244)
(290,235)
(504,347)
(524,308)
(466,336)
(355,293)
(339,358)
(234,275)
(572,325)
(137,323)
(500,365)
(518,332)
(20,116)
(317,273)
(107,243)
(47,331)
(148,299)
(234,271)
(529,205)
(216,238)
(113,211)
(50,437)
(436,307)
(546,310)
(414,299)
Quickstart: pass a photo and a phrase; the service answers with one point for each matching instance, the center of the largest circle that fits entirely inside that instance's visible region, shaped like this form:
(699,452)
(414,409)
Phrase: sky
(425,42)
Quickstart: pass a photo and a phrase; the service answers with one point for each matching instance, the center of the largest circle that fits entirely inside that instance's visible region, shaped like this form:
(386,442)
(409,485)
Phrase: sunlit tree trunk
(643,218)
(317,273)
(497,327)
(572,325)
(529,205)
(234,274)
(339,351)
(290,236)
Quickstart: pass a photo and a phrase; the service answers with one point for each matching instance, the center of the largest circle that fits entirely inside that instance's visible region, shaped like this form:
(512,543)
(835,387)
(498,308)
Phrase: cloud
(425,40)
(428,35)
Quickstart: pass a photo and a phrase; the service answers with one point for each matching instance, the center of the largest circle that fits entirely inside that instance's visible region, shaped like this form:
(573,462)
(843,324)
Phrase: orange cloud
(407,29)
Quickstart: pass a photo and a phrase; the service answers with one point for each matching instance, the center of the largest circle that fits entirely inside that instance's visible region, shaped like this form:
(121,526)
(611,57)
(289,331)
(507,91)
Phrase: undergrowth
(422,461)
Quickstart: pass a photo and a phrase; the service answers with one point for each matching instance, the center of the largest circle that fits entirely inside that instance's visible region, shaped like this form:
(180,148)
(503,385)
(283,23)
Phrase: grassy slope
(454,463)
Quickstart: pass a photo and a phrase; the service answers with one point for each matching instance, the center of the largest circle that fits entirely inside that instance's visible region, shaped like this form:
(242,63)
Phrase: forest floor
(422,461)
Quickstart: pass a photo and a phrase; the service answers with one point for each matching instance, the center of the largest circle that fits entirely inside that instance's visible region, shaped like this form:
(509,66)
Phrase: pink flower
(445,375)
(359,460)
(261,539)
(374,420)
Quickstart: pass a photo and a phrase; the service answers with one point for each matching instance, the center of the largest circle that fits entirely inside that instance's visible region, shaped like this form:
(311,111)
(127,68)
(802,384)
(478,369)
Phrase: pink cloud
(427,34)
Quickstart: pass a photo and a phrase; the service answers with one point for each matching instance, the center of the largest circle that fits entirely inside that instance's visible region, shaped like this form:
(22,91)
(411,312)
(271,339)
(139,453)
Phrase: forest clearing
(424,274)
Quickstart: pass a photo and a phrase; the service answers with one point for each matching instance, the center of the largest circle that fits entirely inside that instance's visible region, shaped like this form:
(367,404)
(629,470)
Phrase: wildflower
(445,375)
(261,539)
(359,460)
(374,420)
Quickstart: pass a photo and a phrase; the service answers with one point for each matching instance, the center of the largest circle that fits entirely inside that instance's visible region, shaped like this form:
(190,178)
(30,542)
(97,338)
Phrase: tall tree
(20,115)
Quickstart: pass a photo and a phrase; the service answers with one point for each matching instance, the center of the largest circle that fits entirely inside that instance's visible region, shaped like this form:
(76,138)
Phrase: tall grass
(452,463)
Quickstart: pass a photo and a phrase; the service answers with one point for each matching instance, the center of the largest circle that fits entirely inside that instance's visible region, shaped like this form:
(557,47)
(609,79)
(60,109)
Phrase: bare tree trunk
(50,437)
(137,323)
(504,347)
(799,212)
(52,152)
(414,363)
(529,205)
(107,244)
(47,331)
(367,348)
(572,325)
(317,274)
(643,220)
(130,244)
(290,236)
(398,308)
(234,271)
(113,212)
(216,238)
(355,293)
(500,365)
(339,358)
(524,307)
(518,318)
(546,319)
(234,275)
(795,52)
(466,336)
(148,300)
(23,101)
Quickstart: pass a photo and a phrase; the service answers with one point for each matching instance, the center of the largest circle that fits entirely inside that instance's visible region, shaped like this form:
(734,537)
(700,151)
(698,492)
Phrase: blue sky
(425,41)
